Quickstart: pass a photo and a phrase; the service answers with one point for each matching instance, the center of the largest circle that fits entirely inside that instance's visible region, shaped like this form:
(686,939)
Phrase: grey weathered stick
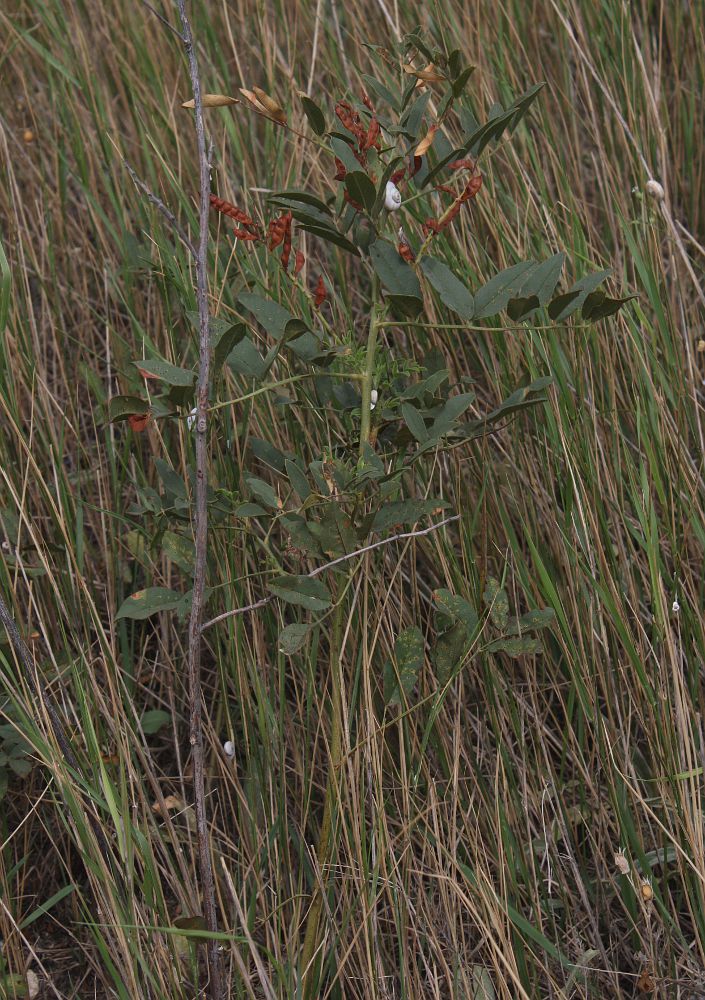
(215,962)
(335,562)
(160,206)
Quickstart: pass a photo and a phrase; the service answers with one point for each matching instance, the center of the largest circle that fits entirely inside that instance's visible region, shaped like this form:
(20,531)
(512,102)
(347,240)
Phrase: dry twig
(334,562)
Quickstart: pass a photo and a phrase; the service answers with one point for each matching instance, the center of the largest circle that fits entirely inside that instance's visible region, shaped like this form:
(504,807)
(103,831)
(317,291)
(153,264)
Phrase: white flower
(392,197)
(676,607)
(229,749)
(374,396)
(655,190)
(191,418)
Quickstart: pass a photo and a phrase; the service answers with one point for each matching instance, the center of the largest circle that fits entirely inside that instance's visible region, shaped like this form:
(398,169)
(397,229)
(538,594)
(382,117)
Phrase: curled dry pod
(373,133)
(472,187)
(227,208)
(429,74)
(286,246)
(212,101)
(321,294)
(271,107)
(427,141)
(466,164)
(404,248)
(278,228)
(245,234)
(270,110)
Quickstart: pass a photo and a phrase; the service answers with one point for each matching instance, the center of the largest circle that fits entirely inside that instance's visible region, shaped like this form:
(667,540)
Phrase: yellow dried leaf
(212,101)
(427,141)
(429,74)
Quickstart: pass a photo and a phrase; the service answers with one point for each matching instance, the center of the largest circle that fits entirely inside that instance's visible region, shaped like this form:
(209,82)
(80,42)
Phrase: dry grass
(476,833)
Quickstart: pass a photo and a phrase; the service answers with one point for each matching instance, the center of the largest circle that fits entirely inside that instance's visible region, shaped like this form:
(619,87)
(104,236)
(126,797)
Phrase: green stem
(480,329)
(326,838)
(370,357)
(276,385)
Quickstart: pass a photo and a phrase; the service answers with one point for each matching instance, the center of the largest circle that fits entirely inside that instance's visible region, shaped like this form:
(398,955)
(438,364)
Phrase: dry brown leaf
(427,141)
(646,982)
(212,101)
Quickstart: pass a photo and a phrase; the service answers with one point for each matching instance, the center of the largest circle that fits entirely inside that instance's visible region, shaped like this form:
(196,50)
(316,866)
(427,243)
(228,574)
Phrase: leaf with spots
(400,676)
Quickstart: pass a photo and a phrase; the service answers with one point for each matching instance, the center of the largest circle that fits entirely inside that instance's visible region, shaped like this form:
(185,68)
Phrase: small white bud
(392,197)
(229,749)
(374,396)
(655,190)
(191,418)
(676,607)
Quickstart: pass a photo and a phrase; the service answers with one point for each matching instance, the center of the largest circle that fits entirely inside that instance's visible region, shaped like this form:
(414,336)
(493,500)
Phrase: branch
(335,562)
(167,24)
(160,206)
(215,961)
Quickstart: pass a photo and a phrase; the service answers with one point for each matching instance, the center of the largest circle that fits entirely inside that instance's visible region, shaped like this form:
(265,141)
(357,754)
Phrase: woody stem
(370,358)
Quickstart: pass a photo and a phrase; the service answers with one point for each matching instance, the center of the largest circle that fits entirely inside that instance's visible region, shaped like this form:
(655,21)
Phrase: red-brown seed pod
(350,119)
(227,208)
(286,246)
(245,234)
(366,101)
(466,164)
(372,137)
(415,166)
(449,216)
(299,261)
(277,230)
(404,250)
(398,176)
(472,187)
(320,294)
(340,170)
